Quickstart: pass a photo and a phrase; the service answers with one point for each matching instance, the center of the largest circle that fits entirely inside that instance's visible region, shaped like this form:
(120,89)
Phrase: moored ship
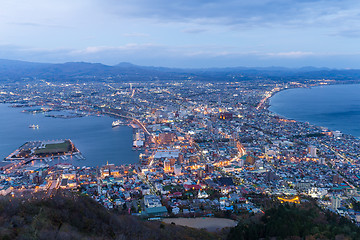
(117,123)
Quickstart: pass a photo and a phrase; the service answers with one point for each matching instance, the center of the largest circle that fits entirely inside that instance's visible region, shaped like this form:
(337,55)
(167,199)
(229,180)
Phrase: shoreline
(268,106)
(93,157)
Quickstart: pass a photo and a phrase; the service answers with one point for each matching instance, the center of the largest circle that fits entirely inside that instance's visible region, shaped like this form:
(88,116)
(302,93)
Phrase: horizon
(182,34)
(125,119)
(189,68)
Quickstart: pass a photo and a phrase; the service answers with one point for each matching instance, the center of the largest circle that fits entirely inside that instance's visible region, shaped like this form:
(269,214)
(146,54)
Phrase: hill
(72,216)
(306,221)
(11,70)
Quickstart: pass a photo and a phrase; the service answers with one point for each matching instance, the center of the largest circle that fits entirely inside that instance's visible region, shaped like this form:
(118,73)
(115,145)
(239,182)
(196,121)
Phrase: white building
(177,169)
(335,202)
(312,151)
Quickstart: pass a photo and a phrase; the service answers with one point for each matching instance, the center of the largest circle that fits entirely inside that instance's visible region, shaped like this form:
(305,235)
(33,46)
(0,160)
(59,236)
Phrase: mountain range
(13,70)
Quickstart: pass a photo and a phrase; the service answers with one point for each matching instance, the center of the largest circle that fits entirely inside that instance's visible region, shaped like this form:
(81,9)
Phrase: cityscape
(185,120)
(202,153)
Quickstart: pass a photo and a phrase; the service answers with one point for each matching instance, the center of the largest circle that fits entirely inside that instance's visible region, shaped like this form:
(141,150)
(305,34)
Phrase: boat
(117,123)
(33,126)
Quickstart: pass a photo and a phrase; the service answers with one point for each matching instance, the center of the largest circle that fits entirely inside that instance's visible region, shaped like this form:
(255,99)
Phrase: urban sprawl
(206,148)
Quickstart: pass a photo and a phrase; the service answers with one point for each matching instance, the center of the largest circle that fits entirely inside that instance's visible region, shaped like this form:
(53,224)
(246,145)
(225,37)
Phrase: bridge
(140,124)
(136,121)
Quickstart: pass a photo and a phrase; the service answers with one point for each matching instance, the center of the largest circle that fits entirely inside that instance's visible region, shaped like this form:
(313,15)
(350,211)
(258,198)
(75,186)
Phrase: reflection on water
(93,136)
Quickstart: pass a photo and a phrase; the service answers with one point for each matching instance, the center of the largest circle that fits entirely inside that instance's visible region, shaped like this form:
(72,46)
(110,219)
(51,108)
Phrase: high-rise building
(200,173)
(177,169)
(335,202)
(312,151)
(172,161)
(181,158)
(167,166)
(209,168)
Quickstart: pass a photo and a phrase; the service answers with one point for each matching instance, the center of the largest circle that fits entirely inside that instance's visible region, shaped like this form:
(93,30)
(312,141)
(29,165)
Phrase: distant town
(206,149)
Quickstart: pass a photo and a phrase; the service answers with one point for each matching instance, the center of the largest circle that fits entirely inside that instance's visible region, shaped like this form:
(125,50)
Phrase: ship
(33,126)
(117,123)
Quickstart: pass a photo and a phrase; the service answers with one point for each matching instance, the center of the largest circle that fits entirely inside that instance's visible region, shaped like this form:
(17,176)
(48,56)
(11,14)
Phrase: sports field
(55,148)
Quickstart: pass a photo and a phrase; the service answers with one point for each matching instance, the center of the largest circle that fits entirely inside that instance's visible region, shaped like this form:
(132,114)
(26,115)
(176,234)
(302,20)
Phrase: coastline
(268,105)
(94,136)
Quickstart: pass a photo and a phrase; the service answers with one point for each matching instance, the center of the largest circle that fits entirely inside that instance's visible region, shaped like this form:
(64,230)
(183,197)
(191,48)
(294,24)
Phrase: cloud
(126,47)
(293,54)
(348,33)
(194,30)
(54,55)
(36,24)
(260,13)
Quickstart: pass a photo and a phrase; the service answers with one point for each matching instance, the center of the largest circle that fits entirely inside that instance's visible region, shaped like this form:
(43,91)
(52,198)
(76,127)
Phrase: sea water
(94,136)
(336,107)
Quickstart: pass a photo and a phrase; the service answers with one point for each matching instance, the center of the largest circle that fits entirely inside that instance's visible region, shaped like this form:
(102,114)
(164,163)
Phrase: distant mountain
(125,65)
(10,64)
(12,70)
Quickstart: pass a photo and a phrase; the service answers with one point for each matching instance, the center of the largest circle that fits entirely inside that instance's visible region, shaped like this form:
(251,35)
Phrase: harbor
(92,135)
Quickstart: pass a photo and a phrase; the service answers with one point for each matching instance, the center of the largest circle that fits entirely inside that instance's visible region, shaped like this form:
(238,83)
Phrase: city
(202,152)
(186,120)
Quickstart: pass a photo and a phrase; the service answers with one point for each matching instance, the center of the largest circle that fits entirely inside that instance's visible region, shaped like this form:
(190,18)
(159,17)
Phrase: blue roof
(156,210)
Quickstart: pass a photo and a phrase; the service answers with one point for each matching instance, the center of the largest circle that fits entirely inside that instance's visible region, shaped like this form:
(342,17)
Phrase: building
(337,179)
(200,173)
(167,165)
(152,201)
(167,153)
(303,185)
(312,151)
(145,190)
(153,206)
(194,159)
(172,161)
(337,134)
(181,158)
(335,202)
(156,211)
(209,168)
(177,169)
(250,160)
(226,116)
(167,137)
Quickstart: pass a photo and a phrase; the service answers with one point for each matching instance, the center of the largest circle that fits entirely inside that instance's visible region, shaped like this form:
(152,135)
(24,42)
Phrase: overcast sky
(183,33)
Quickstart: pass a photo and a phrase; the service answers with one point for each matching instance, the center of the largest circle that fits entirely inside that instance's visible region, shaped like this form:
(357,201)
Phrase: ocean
(94,136)
(336,107)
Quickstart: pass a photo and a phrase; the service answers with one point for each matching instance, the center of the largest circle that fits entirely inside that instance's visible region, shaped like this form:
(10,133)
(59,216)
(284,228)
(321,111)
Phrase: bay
(336,107)
(93,136)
